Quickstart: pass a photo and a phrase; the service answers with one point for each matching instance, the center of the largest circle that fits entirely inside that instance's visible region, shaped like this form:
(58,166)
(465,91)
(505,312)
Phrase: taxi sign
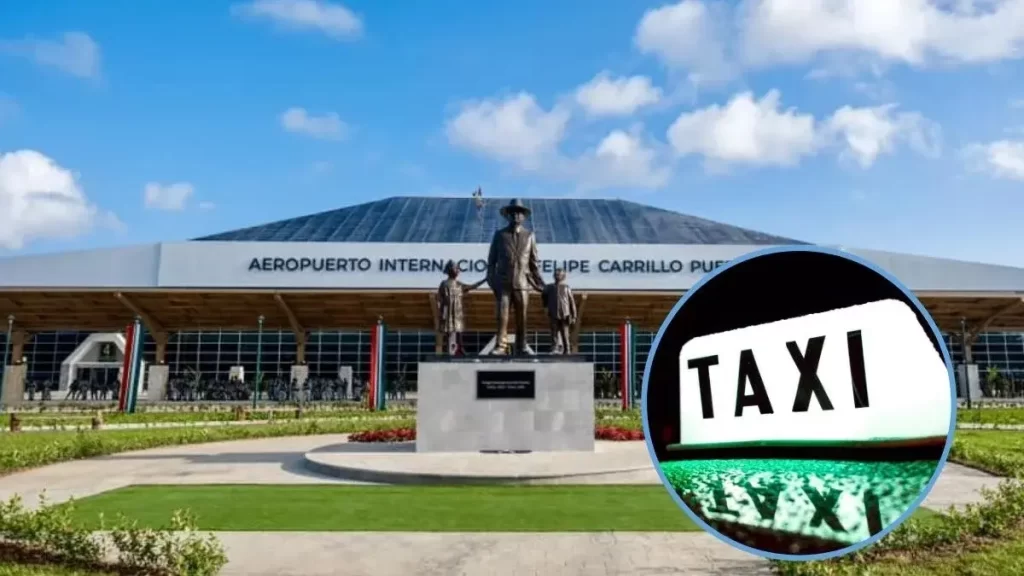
(865,373)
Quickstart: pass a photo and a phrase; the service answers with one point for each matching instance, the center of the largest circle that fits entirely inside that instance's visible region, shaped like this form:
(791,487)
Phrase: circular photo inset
(804,417)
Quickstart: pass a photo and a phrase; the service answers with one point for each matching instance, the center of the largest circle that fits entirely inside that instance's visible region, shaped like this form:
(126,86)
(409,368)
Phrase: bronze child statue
(561,309)
(450,307)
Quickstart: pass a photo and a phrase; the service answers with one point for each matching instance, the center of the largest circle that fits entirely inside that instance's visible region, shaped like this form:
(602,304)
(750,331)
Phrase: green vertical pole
(7,352)
(259,359)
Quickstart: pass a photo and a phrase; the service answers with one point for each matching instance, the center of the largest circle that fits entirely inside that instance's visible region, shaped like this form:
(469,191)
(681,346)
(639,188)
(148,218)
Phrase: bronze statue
(450,309)
(561,309)
(512,271)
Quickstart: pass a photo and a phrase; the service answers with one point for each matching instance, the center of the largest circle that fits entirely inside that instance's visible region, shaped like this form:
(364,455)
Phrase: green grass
(1000,452)
(7,569)
(47,419)
(991,415)
(32,449)
(396,509)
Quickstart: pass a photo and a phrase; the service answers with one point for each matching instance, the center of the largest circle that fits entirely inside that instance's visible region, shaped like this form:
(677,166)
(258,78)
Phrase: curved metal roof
(464,220)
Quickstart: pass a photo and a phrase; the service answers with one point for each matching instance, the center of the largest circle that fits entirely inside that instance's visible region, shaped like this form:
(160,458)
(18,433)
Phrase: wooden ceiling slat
(176,310)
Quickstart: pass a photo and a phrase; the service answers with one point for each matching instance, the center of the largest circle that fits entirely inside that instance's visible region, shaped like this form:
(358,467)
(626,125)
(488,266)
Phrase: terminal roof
(464,220)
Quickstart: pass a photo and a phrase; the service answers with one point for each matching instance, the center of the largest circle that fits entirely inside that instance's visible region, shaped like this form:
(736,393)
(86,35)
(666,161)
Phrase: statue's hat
(516,205)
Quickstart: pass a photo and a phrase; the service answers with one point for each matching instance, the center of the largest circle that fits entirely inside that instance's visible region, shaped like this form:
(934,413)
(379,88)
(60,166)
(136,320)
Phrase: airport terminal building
(310,290)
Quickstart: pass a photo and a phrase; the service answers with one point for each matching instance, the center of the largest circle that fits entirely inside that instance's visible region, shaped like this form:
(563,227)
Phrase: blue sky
(834,122)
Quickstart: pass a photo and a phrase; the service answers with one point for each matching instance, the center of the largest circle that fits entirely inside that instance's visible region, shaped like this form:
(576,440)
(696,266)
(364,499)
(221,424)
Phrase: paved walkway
(280,461)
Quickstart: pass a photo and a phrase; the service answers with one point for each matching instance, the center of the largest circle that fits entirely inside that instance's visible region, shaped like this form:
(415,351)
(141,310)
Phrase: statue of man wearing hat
(513,269)
(450,307)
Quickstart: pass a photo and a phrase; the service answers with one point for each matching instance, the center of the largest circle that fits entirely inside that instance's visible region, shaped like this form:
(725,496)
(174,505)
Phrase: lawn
(46,570)
(995,451)
(395,509)
(991,415)
(32,449)
(50,419)
(1000,560)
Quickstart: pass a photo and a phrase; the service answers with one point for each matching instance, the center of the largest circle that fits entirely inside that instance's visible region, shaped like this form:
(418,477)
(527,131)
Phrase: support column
(161,347)
(18,340)
(157,376)
(300,348)
(970,379)
(158,373)
(14,385)
(300,373)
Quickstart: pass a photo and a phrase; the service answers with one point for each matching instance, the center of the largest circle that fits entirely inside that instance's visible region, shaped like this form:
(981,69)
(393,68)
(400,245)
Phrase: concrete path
(474,554)
(280,461)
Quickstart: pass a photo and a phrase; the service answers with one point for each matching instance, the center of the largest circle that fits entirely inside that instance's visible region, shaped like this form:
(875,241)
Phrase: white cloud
(75,53)
(622,160)
(514,130)
(871,132)
(746,131)
(327,126)
(910,31)
(331,19)
(715,39)
(690,35)
(518,132)
(1001,159)
(169,197)
(206,205)
(39,199)
(762,133)
(607,96)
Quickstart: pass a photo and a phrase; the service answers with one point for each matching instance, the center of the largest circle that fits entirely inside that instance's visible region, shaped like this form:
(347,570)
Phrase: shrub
(180,551)
(50,533)
(999,515)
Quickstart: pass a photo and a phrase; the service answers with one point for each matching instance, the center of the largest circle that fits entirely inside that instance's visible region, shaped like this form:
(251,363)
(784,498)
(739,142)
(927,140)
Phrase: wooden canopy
(189,310)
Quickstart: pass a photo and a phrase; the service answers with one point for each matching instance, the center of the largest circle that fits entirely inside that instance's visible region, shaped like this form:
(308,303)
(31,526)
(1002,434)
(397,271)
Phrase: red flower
(392,435)
(617,434)
(611,433)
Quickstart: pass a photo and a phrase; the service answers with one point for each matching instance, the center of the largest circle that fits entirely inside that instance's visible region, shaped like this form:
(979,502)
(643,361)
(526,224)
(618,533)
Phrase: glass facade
(1000,356)
(213,353)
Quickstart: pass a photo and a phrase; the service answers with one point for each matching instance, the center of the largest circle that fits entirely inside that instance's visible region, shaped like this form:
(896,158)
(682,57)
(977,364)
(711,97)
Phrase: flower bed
(618,434)
(611,433)
(392,435)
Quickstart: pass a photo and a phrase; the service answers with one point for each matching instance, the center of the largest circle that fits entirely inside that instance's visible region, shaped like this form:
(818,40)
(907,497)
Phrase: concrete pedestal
(452,417)
(299,375)
(14,386)
(156,382)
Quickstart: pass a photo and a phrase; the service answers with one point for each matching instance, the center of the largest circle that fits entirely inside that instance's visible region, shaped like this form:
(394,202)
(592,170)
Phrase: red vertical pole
(624,365)
(129,342)
(372,382)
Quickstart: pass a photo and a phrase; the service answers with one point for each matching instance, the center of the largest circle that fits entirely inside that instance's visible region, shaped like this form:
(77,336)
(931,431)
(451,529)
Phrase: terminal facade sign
(400,266)
(436,265)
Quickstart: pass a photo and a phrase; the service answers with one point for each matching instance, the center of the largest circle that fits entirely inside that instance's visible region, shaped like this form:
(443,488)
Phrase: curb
(399,478)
